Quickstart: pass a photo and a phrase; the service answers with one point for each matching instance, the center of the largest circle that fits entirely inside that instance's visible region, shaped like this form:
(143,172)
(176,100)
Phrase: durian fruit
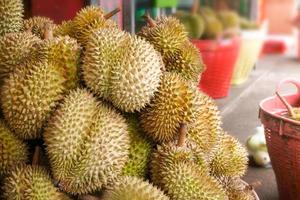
(133,188)
(166,34)
(229,19)
(90,19)
(13,152)
(230,159)
(29,95)
(31,182)
(173,104)
(207,11)
(121,68)
(66,28)
(175,170)
(36,25)
(140,149)
(15,48)
(213,28)
(62,52)
(87,143)
(236,189)
(185,61)
(11,16)
(246,24)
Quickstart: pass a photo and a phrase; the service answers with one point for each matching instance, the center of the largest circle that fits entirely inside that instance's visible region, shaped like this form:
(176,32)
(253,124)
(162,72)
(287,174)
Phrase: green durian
(246,24)
(213,28)
(31,182)
(176,171)
(66,28)
(87,143)
(230,159)
(11,16)
(133,188)
(88,20)
(140,150)
(29,95)
(207,11)
(173,104)
(229,19)
(13,151)
(37,25)
(15,49)
(166,34)
(122,69)
(236,189)
(186,61)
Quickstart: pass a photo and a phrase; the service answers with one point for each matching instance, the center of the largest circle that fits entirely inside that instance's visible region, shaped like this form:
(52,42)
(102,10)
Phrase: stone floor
(240,111)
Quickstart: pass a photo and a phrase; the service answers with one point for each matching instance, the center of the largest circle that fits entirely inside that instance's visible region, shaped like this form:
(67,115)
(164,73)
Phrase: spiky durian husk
(133,188)
(87,143)
(31,182)
(167,35)
(230,159)
(29,95)
(180,174)
(11,16)
(63,52)
(173,104)
(236,189)
(66,28)
(13,152)
(123,69)
(37,25)
(204,132)
(88,20)
(185,61)
(15,48)
(139,152)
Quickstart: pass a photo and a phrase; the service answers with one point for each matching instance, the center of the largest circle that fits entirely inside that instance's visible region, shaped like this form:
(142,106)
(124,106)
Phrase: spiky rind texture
(13,152)
(181,177)
(185,61)
(230,159)
(140,150)
(31,182)
(15,48)
(87,143)
(123,69)
(66,28)
(29,96)
(133,188)
(174,103)
(167,35)
(11,16)
(63,52)
(37,25)
(88,20)
(236,189)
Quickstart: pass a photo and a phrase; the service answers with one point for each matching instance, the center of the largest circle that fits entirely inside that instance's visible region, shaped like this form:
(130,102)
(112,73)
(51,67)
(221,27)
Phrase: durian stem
(287,105)
(149,20)
(112,13)
(48,31)
(88,197)
(182,135)
(36,155)
(195,7)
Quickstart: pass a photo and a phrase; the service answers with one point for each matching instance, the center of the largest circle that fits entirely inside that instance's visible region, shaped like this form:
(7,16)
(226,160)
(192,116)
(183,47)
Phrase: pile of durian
(92,112)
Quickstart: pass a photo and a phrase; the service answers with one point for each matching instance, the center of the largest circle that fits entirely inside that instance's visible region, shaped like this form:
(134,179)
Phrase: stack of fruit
(110,115)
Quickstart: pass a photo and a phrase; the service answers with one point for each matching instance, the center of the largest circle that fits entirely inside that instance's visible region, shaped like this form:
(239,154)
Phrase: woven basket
(251,45)
(219,58)
(283,142)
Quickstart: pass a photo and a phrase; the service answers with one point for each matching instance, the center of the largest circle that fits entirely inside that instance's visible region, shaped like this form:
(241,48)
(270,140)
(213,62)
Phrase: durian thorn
(36,155)
(112,13)
(151,22)
(88,197)
(48,31)
(287,105)
(29,30)
(182,135)
(195,7)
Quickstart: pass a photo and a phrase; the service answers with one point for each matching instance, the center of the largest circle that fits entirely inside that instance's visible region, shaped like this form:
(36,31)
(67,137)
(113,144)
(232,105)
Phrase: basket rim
(261,106)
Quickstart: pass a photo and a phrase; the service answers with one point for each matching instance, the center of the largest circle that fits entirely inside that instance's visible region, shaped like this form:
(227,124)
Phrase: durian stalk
(149,20)
(195,7)
(88,197)
(112,13)
(287,105)
(36,155)
(48,31)
(182,135)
